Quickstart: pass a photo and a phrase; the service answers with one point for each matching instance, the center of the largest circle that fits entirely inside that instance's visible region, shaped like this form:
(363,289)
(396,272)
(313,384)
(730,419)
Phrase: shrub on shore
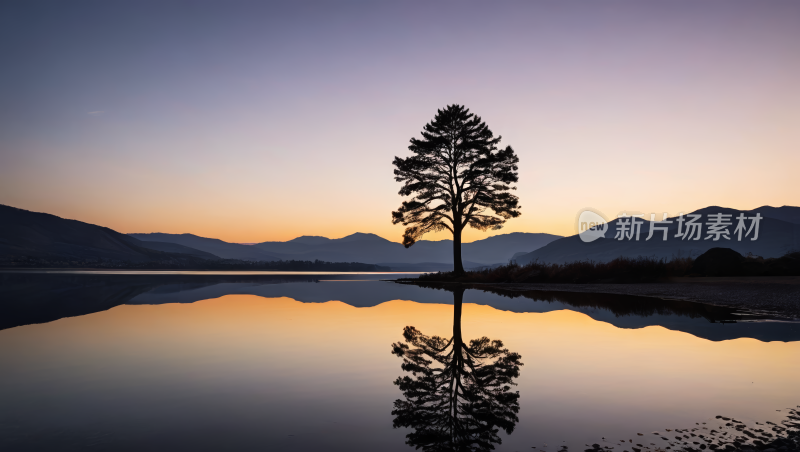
(727,262)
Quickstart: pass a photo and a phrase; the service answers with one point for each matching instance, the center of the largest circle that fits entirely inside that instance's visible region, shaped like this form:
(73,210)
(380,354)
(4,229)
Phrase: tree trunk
(458,267)
(458,299)
(457,363)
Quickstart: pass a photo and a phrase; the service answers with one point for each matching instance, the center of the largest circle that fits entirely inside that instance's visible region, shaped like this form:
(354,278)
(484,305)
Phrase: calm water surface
(306,362)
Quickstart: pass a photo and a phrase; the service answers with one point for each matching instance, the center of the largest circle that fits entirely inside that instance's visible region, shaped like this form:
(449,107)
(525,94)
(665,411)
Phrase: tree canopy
(456,177)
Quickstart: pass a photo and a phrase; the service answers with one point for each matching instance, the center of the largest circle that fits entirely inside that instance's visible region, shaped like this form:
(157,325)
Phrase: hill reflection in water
(28,298)
(245,372)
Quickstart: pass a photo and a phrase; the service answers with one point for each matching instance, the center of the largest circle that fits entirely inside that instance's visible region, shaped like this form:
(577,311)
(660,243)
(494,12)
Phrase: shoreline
(777,296)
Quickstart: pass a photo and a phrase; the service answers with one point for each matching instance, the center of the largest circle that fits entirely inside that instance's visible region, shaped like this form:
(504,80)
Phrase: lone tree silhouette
(456,178)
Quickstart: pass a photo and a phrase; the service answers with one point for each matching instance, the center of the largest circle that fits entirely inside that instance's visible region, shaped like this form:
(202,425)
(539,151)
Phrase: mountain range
(779,233)
(366,248)
(48,239)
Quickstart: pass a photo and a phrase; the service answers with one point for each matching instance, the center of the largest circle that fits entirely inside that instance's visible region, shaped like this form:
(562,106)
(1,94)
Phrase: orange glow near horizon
(234,231)
(268,132)
(283,365)
(569,357)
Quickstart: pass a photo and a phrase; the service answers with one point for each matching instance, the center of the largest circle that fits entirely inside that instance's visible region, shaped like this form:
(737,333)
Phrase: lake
(296,362)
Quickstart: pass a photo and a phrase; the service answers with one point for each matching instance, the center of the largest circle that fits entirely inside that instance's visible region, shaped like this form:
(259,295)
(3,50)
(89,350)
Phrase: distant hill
(308,239)
(777,236)
(216,247)
(367,248)
(789,214)
(500,248)
(43,236)
(370,248)
(176,248)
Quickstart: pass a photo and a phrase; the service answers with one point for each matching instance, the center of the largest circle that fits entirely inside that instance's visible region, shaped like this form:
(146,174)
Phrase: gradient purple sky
(255,121)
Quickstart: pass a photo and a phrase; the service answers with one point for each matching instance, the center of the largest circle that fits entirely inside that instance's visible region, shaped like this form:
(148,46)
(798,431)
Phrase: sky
(261,121)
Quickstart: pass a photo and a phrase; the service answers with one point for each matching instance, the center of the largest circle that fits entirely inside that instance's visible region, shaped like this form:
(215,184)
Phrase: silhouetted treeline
(186,262)
(714,262)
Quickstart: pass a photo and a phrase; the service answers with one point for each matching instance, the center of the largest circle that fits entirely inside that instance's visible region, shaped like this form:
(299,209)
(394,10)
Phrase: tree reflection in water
(458,396)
